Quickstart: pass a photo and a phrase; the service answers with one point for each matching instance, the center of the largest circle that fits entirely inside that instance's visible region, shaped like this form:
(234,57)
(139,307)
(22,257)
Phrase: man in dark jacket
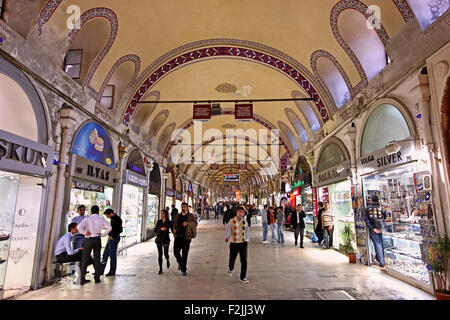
(374,216)
(298,224)
(173,213)
(319,230)
(182,224)
(112,244)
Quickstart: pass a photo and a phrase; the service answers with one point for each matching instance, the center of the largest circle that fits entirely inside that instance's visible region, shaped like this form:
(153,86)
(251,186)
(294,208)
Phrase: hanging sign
(179,196)
(296,192)
(135,179)
(202,112)
(379,160)
(22,155)
(243,112)
(92,142)
(170,193)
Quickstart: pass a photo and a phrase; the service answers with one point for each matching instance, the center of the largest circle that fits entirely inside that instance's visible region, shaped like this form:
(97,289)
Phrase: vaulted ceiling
(255,49)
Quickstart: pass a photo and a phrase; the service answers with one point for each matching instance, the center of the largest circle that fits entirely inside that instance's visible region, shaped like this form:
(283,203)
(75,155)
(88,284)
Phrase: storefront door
(131,213)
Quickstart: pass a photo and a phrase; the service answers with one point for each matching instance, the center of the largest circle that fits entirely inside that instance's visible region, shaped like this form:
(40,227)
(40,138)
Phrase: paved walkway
(275,272)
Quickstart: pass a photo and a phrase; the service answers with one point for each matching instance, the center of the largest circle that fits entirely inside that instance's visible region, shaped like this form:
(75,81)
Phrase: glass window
(108,97)
(385,125)
(331,156)
(428,11)
(72,63)
(152,211)
(131,214)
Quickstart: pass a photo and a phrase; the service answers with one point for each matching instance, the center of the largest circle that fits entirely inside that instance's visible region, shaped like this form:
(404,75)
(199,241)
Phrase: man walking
(264,220)
(280,218)
(236,233)
(184,229)
(174,212)
(112,244)
(298,224)
(374,216)
(92,229)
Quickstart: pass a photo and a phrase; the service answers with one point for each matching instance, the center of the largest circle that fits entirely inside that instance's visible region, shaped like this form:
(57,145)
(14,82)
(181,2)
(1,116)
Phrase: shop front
(398,174)
(92,177)
(333,183)
(133,191)
(25,165)
(303,183)
(154,194)
(170,194)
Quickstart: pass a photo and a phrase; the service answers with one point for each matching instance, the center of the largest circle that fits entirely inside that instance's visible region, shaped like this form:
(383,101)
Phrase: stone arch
(445,123)
(144,113)
(165,137)
(363,9)
(297,124)
(156,125)
(308,111)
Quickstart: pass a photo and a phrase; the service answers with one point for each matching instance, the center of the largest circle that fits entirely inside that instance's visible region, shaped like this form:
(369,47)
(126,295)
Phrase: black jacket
(162,237)
(116,225)
(174,213)
(228,216)
(294,221)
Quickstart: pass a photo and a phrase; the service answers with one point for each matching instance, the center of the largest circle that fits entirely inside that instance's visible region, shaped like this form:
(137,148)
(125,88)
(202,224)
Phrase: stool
(123,249)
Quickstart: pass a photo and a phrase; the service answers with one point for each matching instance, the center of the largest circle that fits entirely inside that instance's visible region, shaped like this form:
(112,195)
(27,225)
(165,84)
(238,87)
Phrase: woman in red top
(271,220)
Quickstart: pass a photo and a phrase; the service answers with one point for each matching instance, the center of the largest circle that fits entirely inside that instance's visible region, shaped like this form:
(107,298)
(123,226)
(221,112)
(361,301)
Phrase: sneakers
(184,273)
(230,273)
(160,272)
(245,280)
(265,241)
(301,245)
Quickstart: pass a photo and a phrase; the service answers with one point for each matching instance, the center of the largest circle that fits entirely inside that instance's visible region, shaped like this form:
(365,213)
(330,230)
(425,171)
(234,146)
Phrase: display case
(131,215)
(9,185)
(308,207)
(409,227)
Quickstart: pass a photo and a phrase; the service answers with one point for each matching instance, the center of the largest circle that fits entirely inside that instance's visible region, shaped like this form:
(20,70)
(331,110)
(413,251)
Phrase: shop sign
(179,196)
(87,186)
(335,174)
(92,142)
(170,193)
(314,193)
(92,171)
(380,160)
(135,179)
(296,192)
(22,155)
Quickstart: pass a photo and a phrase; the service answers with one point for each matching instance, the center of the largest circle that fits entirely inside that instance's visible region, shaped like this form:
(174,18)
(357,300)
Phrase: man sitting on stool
(64,252)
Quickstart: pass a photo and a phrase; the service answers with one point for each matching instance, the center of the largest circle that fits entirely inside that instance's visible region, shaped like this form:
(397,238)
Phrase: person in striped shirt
(328,224)
(236,232)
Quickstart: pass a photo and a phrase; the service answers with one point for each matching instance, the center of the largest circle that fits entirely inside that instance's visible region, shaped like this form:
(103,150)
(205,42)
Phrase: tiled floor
(275,272)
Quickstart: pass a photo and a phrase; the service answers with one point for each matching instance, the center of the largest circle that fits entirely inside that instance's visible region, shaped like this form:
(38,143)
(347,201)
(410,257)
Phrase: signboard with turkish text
(135,179)
(243,111)
(202,112)
(379,160)
(333,175)
(86,169)
(22,155)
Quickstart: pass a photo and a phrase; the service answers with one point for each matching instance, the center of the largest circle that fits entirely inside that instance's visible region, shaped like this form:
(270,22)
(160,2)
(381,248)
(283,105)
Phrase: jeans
(272,229)
(330,236)
(280,233)
(377,240)
(240,248)
(298,231)
(265,229)
(77,242)
(181,245)
(162,247)
(91,244)
(110,252)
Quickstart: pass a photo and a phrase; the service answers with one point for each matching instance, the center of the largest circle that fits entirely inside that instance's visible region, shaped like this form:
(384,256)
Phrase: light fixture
(392,148)
(340,168)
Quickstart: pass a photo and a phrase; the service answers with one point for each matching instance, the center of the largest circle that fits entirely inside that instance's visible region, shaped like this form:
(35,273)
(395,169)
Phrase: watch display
(409,223)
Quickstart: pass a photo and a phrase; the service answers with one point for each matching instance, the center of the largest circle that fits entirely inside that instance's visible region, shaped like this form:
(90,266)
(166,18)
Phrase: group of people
(83,237)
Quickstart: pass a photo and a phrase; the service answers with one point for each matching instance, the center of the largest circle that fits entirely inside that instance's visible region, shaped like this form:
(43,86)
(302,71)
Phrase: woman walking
(162,238)
(280,218)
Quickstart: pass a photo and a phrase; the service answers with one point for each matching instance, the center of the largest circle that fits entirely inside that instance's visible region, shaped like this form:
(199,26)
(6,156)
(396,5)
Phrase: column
(165,176)
(67,119)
